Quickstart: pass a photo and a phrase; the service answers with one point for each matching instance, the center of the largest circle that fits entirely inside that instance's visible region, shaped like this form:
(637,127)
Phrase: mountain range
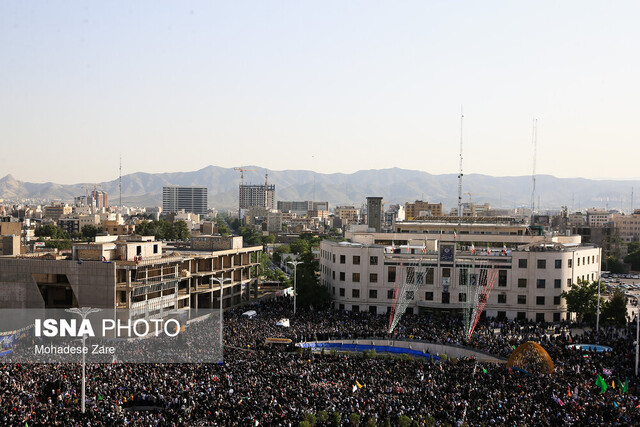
(394,185)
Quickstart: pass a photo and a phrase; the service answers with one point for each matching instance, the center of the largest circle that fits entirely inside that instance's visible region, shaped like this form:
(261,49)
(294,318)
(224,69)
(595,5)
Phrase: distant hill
(394,185)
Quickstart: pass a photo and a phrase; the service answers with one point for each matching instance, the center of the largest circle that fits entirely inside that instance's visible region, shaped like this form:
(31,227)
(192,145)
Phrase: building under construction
(257,196)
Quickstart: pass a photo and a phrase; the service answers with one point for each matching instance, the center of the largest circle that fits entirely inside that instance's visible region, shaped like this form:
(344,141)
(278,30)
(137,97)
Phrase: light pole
(84,312)
(221,281)
(598,313)
(295,277)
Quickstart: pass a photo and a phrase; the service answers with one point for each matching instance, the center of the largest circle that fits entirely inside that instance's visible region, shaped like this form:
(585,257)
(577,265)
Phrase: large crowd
(273,384)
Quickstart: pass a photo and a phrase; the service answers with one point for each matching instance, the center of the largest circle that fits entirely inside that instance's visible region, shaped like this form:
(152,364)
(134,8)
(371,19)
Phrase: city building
(530,271)
(374,213)
(301,208)
(257,196)
(189,199)
(56,210)
(135,273)
(420,209)
(628,226)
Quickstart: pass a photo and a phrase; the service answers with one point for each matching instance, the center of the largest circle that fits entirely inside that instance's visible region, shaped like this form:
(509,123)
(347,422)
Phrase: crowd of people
(271,384)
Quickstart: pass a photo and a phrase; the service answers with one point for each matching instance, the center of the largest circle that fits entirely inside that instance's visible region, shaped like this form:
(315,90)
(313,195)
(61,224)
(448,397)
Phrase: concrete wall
(93,283)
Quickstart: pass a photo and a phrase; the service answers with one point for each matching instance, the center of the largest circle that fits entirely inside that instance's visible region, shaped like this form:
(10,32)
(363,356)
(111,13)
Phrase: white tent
(250,313)
(283,322)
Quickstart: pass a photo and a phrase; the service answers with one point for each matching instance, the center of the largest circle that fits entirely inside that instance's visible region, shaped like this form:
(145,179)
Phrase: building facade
(422,209)
(189,199)
(257,196)
(530,273)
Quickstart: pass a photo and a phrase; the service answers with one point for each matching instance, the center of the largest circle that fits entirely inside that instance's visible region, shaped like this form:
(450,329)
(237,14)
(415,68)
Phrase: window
(355,293)
(521,315)
(446,272)
(445,297)
(540,300)
(373,309)
(334,258)
(373,277)
(522,299)
(593,259)
(373,293)
(355,277)
(333,291)
(410,295)
(569,283)
(522,283)
(429,278)
(391,274)
(411,274)
(557,283)
(502,315)
(583,263)
(558,263)
(390,294)
(155,249)
(541,284)
(462,297)
(542,263)
(502,278)
(343,259)
(578,259)
(341,292)
(355,308)
(428,296)
(420,277)
(356,260)
(373,260)
(556,300)
(341,307)
(570,263)
(502,298)
(556,317)
(333,275)
(522,263)
(342,276)
(539,317)
(463,276)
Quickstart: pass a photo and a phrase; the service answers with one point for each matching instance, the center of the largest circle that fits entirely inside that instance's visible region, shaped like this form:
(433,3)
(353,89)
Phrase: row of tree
(164,230)
(582,299)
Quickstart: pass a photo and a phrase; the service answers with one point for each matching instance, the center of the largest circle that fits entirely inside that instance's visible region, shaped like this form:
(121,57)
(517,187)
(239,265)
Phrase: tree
(633,259)
(354,419)
(277,253)
(310,292)
(52,231)
(90,231)
(582,299)
(613,264)
(615,310)
(181,230)
(300,246)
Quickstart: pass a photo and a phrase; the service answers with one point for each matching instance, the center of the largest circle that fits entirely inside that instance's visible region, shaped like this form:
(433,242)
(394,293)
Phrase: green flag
(601,383)
(484,371)
(625,386)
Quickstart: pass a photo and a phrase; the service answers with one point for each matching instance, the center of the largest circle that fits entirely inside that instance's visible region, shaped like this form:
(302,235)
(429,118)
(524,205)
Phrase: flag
(353,390)
(600,383)
(625,386)
(473,249)
(606,371)
(569,387)
(613,384)
(615,404)
(424,248)
(455,233)
(488,249)
(484,371)
(504,249)
(358,384)
(256,423)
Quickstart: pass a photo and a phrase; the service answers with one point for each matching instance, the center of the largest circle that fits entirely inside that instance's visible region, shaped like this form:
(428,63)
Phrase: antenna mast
(631,201)
(120,184)
(460,174)
(533,174)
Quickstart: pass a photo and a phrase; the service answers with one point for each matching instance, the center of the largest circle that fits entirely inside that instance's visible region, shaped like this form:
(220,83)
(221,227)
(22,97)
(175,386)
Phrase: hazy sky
(331,86)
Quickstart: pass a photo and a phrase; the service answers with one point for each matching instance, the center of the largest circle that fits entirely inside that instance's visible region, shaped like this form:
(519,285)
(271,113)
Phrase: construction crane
(242,171)
(469,194)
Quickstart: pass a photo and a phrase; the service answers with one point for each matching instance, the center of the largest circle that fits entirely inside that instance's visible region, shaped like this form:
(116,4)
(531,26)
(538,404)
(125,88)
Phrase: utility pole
(295,288)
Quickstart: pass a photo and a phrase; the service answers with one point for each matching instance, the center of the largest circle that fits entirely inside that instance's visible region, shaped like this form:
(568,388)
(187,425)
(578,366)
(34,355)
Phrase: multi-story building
(348,214)
(628,226)
(421,209)
(56,210)
(301,208)
(257,196)
(134,273)
(374,213)
(531,272)
(191,199)
(598,218)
